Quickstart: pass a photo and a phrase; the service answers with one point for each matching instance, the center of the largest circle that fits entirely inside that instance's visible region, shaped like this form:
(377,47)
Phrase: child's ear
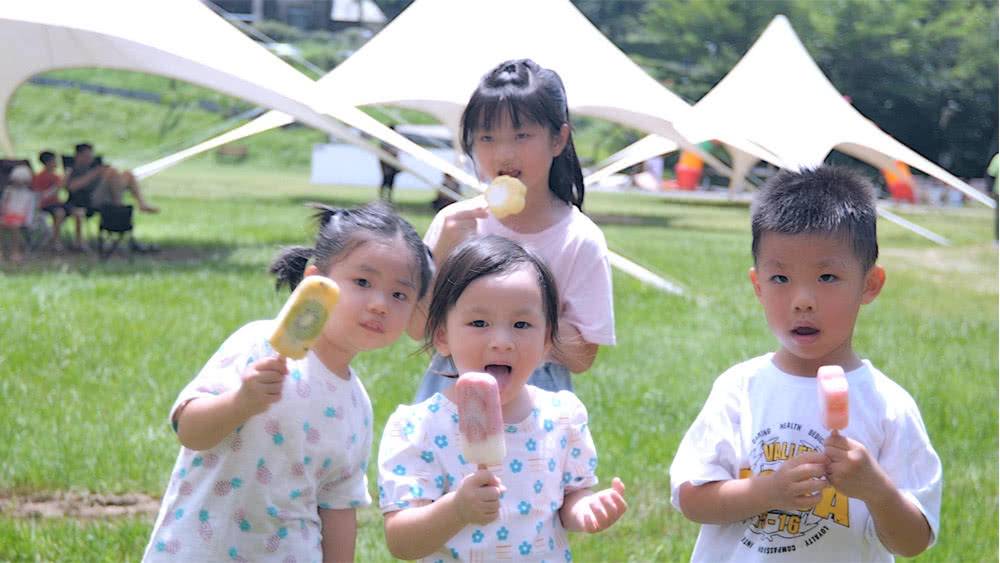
(559,140)
(311,270)
(441,341)
(874,281)
(755,281)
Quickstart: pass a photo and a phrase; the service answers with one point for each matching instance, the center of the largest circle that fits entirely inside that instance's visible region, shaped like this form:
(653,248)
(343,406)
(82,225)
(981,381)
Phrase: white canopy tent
(431,57)
(783,101)
(144,36)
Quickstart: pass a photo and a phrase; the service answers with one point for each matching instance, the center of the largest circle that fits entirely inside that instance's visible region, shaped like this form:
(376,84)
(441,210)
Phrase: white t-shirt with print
(577,254)
(757,416)
(549,454)
(255,496)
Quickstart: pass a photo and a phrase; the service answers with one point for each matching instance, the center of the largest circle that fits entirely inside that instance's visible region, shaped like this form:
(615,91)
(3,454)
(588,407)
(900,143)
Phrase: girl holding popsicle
(494,310)
(516,127)
(274,448)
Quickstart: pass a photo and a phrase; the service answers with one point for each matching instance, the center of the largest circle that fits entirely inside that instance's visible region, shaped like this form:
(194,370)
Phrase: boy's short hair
(831,200)
(83,147)
(46,156)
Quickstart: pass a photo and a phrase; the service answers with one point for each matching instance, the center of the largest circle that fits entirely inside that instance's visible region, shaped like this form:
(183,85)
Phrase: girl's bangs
(520,108)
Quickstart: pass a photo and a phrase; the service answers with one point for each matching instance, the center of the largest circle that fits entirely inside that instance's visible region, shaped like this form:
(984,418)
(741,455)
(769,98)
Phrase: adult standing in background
(388,171)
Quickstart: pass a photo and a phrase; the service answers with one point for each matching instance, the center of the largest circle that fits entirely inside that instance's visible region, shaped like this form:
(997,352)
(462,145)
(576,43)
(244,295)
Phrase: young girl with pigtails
(274,450)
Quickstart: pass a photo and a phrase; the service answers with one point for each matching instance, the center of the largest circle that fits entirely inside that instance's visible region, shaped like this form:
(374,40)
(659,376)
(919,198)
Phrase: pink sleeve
(589,301)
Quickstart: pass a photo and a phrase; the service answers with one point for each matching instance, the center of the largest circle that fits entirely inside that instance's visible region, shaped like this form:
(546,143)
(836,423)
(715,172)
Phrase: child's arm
(794,486)
(585,510)
(413,533)
(203,422)
(573,351)
(456,226)
(415,328)
(901,526)
(340,533)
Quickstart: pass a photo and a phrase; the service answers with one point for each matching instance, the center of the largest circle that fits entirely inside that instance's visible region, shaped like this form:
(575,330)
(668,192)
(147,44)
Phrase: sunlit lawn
(93,353)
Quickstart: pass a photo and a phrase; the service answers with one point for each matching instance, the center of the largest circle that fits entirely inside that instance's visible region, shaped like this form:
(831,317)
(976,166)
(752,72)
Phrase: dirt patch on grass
(78,505)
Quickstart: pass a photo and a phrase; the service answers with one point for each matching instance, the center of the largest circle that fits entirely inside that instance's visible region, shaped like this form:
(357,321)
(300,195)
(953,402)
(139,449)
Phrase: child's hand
(852,470)
(262,381)
(478,497)
(797,483)
(598,511)
(457,227)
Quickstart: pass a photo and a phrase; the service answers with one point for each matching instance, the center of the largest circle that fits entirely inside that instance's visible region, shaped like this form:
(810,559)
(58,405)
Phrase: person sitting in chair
(47,184)
(93,185)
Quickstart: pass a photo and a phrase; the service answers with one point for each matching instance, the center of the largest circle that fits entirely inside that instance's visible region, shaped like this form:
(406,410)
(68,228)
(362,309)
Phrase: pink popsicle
(480,422)
(831,388)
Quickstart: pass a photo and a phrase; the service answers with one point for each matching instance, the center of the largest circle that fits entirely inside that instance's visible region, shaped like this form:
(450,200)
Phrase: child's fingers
(807,501)
(268,378)
(808,487)
(488,494)
(807,471)
(614,503)
(483,478)
(277,364)
(272,390)
(469,214)
(836,442)
(599,510)
(618,486)
(806,459)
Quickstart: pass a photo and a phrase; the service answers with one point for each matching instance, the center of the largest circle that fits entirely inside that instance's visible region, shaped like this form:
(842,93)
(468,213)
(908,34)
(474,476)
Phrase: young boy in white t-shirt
(757,469)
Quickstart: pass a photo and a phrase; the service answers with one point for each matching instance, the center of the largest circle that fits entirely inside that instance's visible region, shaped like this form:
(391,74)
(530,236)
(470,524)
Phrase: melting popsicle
(831,388)
(303,316)
(480,421)
(505,196)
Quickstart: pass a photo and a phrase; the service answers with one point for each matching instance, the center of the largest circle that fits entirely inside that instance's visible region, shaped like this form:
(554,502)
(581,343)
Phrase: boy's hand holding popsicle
(851,469)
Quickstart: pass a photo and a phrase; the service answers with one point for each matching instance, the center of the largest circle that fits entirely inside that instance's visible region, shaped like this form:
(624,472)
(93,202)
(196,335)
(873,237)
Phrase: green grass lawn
(92,354)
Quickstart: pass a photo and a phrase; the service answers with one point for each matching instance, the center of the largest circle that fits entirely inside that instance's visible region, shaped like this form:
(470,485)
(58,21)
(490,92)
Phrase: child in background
(494,309)
(274,450)
(517,124)
(47,185)
(17,210)
(757,469)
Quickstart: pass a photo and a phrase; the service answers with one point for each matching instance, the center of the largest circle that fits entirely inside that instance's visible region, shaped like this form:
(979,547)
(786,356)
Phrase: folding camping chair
(116,221)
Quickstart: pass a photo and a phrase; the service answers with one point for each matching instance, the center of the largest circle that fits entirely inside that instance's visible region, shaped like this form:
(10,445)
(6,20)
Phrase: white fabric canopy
(431,57)
(781,100)
(188,42)
(183,40)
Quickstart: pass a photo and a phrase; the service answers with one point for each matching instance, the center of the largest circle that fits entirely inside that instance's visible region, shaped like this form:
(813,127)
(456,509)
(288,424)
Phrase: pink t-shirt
(576,252)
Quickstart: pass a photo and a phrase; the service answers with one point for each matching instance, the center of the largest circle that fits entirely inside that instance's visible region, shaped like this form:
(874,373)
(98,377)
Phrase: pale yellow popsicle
(303,316)
(505,196)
